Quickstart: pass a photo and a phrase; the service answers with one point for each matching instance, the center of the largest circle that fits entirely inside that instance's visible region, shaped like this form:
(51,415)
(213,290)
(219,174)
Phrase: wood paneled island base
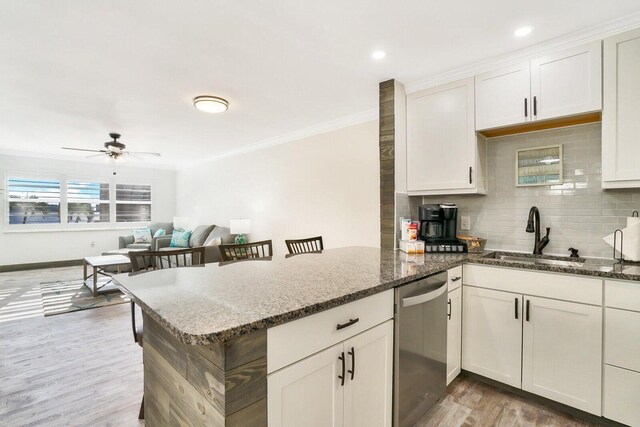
(221,384)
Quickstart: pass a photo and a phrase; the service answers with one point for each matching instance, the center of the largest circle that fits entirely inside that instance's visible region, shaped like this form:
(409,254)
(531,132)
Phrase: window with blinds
(133,203)
(87,202)
(33,201)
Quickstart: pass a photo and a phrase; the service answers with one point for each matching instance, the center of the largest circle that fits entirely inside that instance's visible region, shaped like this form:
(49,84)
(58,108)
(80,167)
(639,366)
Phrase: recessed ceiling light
(210,104)
(378,54)
(523,31)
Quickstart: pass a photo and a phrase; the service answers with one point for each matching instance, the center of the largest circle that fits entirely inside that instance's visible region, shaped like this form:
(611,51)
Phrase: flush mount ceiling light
(523,31)
(378,54)
(210,104)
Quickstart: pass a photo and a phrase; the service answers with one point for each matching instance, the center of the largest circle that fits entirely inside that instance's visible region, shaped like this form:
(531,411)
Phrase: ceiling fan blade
(94,155)
(145,153)
(84,149)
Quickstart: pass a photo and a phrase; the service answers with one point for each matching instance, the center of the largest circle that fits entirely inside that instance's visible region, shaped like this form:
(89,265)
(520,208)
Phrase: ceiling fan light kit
(210,104)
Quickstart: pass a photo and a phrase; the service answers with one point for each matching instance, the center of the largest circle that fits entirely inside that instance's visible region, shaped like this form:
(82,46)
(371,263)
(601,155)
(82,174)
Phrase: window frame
(64,224)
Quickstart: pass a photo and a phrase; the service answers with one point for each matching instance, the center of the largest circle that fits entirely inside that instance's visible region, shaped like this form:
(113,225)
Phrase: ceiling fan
(114,149)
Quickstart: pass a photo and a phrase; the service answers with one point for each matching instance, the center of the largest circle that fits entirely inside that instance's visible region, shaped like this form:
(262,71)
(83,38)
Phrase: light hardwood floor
(83,369)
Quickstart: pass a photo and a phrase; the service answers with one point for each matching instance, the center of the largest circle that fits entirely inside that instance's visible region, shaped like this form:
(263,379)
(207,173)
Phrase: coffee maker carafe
(438,228)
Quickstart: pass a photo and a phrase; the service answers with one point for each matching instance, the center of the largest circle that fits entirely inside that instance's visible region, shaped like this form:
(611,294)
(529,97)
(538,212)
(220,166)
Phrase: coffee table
(99,264)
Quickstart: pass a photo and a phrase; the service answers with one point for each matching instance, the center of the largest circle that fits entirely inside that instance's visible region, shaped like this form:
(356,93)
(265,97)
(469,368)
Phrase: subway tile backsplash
(579,213)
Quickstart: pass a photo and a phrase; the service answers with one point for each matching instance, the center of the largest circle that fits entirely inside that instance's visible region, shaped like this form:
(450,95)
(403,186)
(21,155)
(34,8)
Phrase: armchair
(128,242)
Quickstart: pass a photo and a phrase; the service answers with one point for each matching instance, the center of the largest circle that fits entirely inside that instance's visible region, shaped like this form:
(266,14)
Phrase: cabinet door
(503,97)
(620,124)
(308,393)
(567,82)
(369,386)
(492,334)
(562,352)
(621,397)
(441,139)
(454,334)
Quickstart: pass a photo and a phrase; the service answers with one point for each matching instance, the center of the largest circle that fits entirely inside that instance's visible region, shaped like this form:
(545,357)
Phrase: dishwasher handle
(422,298)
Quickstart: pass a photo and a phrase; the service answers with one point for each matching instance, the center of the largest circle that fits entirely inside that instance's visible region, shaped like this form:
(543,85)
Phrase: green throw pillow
(159,233)
(180,239)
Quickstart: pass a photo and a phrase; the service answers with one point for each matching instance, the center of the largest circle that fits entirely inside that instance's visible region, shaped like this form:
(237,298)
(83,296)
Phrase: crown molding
(343,122)
(566,41)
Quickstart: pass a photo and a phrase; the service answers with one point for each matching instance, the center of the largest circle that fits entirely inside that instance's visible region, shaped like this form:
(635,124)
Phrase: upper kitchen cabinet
(561,84)
(444,156)
(502,96)
(620,124)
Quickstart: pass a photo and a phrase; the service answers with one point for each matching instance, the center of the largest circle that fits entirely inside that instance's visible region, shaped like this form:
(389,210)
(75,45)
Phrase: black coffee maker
(439,227)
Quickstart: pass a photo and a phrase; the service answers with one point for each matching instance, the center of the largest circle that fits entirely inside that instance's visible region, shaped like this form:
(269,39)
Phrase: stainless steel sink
(528,260)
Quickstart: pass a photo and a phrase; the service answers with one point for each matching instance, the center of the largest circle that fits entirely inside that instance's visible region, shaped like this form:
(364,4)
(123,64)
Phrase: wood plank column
(387,163)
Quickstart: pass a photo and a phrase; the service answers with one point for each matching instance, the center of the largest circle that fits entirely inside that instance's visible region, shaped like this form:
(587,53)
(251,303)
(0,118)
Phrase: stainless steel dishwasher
(420,348)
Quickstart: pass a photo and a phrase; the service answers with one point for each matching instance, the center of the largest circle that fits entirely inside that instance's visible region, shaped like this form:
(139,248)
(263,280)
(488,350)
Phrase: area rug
(66,296)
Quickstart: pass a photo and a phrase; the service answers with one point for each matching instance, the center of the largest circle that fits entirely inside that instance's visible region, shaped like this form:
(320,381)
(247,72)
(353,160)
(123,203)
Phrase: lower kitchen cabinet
(349,384)
(454,334)
(492,334)
(562,352)
(621,397)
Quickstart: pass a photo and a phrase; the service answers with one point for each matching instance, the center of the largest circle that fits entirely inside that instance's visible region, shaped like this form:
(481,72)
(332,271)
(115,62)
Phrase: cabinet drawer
(621,397)
(622,337)
(300,338)
(624,295)
(455,278)
(566,287)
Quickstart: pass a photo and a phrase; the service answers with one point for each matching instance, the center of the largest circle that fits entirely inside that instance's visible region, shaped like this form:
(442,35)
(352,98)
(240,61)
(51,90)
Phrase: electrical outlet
(93,244)
(465,223)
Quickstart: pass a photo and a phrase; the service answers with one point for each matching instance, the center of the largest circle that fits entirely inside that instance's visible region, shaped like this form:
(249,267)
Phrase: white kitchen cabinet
(568,82)
(622,352)
(621,109)
(308,393)
(562,352)
(503,96)
(444,155)
(368,388)
(311,392)
(492,334)
(561,84)
(454,334)
(621,397)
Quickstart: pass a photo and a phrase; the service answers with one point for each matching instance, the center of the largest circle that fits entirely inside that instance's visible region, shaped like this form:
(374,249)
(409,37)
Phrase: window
(73,203)
(87,202)
(33,201)
(133,203)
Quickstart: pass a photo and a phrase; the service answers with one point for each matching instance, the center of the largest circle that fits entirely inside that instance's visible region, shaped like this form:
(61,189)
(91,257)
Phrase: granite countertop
(217,302)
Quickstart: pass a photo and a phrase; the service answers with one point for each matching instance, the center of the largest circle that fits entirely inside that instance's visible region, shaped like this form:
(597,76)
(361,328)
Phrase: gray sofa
(209,236)
(128,242)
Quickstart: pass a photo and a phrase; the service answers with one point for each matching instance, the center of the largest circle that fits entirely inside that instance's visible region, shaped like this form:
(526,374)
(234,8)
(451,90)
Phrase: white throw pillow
(142,235)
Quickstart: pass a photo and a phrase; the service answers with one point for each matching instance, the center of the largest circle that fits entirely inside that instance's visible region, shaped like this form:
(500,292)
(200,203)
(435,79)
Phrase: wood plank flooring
(83,369)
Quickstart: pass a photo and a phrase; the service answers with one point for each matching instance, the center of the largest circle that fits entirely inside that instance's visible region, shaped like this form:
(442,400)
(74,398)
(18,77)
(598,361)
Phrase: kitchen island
(205,338)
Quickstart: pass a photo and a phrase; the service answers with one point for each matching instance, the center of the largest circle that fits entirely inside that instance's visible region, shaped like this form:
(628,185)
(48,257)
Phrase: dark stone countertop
(218,302)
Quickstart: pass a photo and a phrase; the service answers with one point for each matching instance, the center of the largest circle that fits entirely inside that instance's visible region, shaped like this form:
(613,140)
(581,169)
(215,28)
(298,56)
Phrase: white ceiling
(72,71)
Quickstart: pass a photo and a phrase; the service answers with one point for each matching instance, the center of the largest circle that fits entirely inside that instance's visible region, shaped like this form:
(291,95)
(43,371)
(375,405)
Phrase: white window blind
(87,202)
(133,203)
(33,201)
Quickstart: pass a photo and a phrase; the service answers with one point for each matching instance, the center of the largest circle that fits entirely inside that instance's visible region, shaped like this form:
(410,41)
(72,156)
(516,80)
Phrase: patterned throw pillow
(159,233)
(142,235)
(180,238)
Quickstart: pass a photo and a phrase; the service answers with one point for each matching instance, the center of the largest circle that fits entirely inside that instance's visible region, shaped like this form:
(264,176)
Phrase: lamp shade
(240,226)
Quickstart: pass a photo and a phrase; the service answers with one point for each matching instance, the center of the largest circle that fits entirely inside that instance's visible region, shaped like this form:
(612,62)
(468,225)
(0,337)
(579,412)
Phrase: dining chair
(254,250)
(143,261)
(301,246)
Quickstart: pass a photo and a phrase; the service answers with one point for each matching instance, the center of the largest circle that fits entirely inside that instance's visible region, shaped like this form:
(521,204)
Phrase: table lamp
(240,227)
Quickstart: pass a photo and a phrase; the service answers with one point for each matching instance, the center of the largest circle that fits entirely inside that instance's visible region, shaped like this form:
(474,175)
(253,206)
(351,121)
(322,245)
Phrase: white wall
(44,246)
(325,185)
